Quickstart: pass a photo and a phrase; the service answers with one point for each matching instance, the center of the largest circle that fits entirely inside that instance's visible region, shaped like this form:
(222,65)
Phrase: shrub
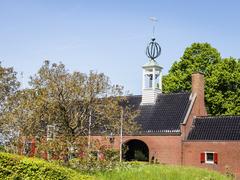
(19,167)
(2,148)
(92,165)
(229,173)
(96,161)
(111,154)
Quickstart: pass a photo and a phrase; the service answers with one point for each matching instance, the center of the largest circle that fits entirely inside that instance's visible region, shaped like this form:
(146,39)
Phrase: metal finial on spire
(153,49)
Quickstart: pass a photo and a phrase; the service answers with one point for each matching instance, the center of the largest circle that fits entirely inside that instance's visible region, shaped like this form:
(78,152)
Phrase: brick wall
(228,154)
(198,88)
(166,149)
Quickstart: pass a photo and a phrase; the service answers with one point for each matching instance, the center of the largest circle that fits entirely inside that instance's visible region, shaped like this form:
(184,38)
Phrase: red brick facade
(166,149)
(174,150)
(177,150)
(228,155)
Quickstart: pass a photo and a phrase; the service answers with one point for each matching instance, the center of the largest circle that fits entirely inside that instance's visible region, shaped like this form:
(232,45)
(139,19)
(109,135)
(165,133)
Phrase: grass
(161,172)
(20,167)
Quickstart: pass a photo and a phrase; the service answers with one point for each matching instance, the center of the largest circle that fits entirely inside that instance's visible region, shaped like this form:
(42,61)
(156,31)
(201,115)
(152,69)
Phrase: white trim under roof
(192,98)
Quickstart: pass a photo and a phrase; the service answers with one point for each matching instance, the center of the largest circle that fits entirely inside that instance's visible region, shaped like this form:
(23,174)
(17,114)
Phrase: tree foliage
(223,90)
(221,77)
(8,84)
(8,87)
(199,57)
(67,100)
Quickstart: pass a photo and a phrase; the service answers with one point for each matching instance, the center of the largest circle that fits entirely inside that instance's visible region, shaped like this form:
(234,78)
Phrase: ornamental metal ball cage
(153,49)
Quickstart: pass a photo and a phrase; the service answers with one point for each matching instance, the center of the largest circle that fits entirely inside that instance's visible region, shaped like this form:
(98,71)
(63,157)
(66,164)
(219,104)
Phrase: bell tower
(152,74)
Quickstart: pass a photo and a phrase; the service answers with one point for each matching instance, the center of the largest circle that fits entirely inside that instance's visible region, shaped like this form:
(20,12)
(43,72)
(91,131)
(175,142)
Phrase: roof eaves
(192,98)
(217,117)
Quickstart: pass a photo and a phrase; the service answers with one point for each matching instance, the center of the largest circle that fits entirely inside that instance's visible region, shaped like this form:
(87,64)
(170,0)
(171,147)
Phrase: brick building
(175,128)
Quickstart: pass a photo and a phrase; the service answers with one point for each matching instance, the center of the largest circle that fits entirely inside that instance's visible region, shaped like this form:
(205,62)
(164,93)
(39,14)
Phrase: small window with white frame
(209,157)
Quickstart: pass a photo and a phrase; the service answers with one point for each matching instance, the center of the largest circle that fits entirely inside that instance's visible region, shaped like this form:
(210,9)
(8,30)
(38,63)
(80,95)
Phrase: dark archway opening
(136,150)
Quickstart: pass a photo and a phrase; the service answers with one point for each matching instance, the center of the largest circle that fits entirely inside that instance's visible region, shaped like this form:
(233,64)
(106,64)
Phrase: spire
(152,73)
(153,49)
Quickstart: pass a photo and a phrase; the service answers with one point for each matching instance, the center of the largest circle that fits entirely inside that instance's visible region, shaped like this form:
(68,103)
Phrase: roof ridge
(172,93)
(215,117)
(133,95)
(161,94)
(129,95)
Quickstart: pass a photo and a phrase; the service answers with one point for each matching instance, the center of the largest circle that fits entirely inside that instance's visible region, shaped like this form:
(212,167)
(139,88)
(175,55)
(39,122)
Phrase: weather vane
(154,21)
(153,49)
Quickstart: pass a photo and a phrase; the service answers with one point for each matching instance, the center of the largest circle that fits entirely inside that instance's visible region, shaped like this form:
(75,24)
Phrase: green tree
(199,57)
(67,100)
(223,88)
(8,84)
(8,87)
(221,77)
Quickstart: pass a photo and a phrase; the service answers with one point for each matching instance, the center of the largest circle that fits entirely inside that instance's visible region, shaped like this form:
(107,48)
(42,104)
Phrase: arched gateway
(136,150)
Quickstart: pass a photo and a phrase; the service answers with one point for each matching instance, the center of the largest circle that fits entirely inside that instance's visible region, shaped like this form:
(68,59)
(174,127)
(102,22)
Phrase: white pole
(160,79)
(121,135)
(153,79)
(143,79)
(89,129)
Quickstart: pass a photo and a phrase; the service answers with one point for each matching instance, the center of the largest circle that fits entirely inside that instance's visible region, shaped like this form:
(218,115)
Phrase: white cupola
(152,75)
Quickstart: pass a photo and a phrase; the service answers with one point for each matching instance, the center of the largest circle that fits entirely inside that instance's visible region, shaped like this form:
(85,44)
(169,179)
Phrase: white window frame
(206,160)
(50,132)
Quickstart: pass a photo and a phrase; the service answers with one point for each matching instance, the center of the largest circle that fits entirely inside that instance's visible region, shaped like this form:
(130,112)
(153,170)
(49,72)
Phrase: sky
(111,36)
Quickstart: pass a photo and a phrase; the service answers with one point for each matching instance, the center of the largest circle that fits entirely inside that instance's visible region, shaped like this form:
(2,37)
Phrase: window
(50,132)
(209,157)
(148,80)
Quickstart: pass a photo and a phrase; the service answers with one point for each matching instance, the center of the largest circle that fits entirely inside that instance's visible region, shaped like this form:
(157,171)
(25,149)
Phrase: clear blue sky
(111,36)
